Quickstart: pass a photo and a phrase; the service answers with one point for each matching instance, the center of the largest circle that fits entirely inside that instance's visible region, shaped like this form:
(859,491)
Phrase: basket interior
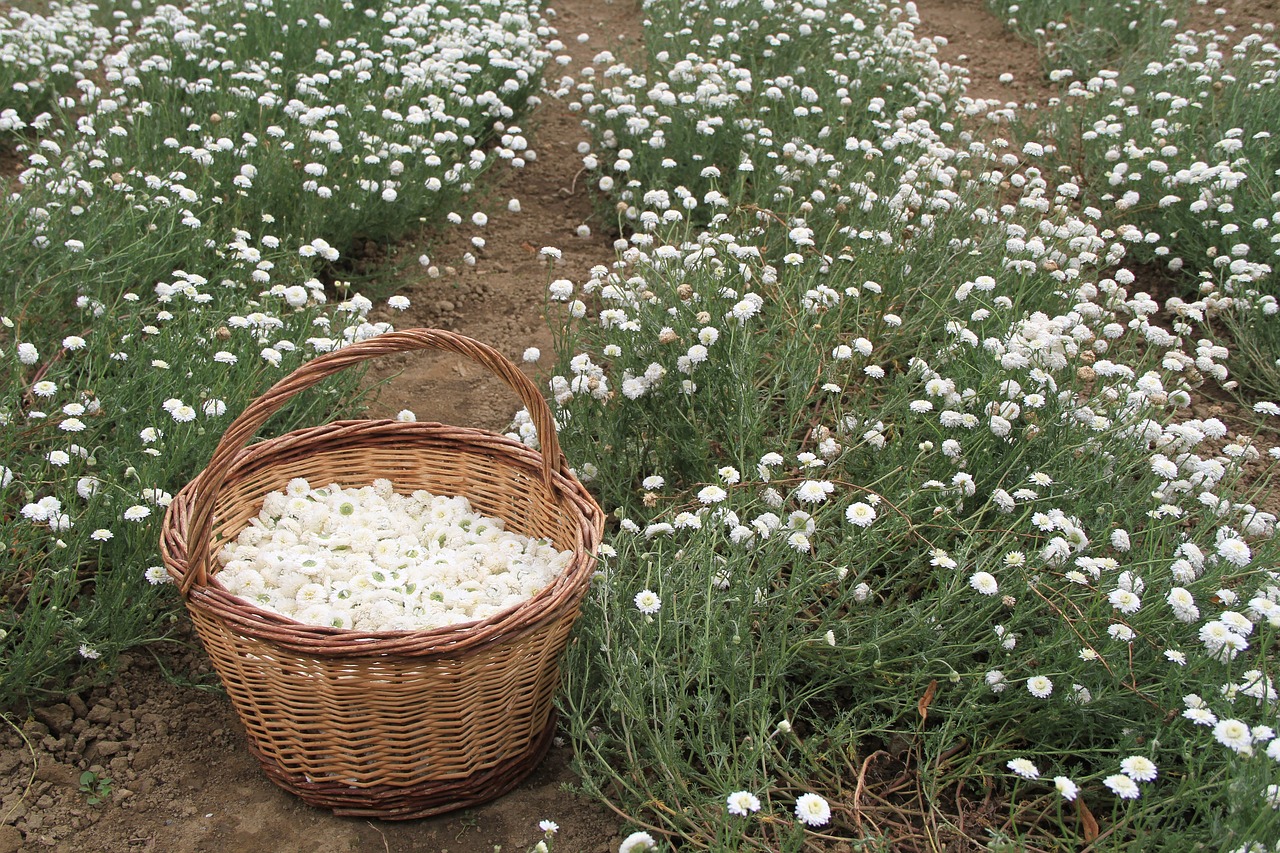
(496,484)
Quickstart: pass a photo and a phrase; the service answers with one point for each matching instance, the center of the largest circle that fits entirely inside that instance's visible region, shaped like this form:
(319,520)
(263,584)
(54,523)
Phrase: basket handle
(211,479)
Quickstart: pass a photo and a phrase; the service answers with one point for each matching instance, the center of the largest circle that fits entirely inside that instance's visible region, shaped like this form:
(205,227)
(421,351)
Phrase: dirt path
(499,299)
(978,41)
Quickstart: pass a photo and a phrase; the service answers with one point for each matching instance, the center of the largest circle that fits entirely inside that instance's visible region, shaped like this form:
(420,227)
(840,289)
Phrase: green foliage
(96,788)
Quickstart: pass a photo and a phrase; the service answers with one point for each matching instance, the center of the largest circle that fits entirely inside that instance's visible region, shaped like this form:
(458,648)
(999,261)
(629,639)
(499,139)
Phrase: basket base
(409,802)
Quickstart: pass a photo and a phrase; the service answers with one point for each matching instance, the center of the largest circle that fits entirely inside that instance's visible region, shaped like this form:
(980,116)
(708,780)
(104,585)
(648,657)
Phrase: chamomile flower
(1122,786)
(860,514)
(1024,767)
(637,842)
(1235,735)
(648,602)
(1139,768)
(813,810)
(814,491)
(1040,686)
(137,512)
(984,583)
(711,494)
(742,803)
(1066,787)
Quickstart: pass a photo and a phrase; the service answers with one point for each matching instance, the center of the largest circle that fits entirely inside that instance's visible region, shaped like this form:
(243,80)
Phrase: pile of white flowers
(371,559)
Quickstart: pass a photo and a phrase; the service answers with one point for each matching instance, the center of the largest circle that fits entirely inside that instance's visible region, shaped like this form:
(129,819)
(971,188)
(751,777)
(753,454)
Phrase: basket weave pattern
(389,724)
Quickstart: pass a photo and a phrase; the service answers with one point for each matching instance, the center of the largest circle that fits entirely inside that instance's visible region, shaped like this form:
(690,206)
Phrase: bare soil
(163,733)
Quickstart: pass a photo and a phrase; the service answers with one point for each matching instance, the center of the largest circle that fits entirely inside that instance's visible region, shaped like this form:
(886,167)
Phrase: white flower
(398,302)
(531,354)
(27,353)
(157,575)
(137,512)
(1024,768)
(653,481)
(1122,786)
(1120,632)
(637,842)
(860,514)
(712,494)
(648,602)
(814,491)
(1139,768)
(1235,735)
(1040,686)
(1271,796)
(1068,789)
(984,583)
(1235,551)
(1124,601)
(88,652)
(742,803)
(813,810)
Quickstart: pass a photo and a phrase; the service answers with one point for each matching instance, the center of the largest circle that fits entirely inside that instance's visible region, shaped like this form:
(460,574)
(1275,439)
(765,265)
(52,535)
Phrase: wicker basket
(395,724)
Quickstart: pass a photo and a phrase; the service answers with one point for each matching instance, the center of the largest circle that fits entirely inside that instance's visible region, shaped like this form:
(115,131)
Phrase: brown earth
(180,776)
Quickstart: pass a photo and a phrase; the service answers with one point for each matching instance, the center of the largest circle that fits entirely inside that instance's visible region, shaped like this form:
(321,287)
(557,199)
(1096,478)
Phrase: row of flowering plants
(1177,140)
(921,537)
(191,179)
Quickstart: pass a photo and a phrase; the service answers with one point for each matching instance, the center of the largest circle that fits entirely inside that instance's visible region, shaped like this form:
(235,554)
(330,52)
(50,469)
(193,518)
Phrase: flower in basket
(372,559)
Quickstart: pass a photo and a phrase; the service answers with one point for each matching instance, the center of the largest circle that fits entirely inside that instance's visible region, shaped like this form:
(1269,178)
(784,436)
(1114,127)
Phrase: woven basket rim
(327,641)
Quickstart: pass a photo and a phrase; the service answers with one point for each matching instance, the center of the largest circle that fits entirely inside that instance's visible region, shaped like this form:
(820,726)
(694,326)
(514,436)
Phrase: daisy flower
(1068,789)
(1139,768)
(1122,786)
(742,803)
(1040,686)
(712,494)
(648,602)
(637,842)
(860,514)
(814,491)
(1235,735)
(1024,768)
(984,583)
(813,810)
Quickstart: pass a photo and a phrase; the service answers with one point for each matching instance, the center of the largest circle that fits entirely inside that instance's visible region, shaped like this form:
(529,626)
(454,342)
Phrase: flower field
(916,514)
(174,244)
(924,531)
